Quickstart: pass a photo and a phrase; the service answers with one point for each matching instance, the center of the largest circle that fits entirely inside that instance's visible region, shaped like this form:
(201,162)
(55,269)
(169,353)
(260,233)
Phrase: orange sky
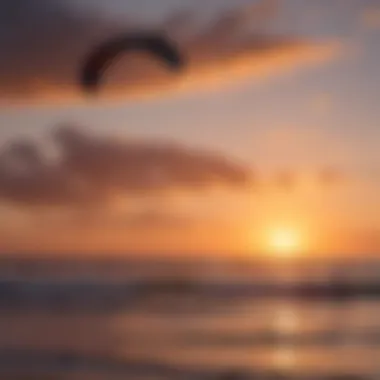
(274,126)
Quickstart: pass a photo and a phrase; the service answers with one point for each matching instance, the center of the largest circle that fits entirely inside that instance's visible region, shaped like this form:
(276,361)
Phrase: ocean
(198,319)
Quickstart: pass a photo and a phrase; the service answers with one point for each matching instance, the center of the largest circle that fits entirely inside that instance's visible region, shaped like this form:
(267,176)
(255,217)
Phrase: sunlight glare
(284,242)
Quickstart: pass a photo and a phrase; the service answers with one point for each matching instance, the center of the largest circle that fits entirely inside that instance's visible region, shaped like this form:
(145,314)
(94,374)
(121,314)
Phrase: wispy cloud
(370,17)
(94,169)
(155,218)
(44,43)
(98,171)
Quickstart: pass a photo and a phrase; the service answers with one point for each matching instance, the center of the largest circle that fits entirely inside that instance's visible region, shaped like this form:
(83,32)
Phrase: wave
(66,362)
(95,296)
(331,338)
(100,295)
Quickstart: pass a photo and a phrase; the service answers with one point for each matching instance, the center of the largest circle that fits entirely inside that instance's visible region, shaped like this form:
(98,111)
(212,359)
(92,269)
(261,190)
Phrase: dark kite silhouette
(100,59)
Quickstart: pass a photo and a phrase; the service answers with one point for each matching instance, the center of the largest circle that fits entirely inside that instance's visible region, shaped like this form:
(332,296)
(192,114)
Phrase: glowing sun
(284,241)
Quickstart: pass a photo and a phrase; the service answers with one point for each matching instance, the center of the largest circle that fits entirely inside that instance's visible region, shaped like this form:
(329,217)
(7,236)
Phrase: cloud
(91,170)
(43,44)
(290,180)
(330,176)
(145,219)
(152,218)
(370,17)
(286,180)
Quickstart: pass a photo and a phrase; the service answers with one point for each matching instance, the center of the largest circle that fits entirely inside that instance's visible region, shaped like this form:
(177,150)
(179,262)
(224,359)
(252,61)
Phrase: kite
(102,57)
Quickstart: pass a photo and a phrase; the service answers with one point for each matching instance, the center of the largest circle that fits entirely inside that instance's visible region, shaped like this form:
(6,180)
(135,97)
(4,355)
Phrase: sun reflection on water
(285,323)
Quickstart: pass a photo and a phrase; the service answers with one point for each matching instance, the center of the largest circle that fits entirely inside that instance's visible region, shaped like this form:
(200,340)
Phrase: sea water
(111,319)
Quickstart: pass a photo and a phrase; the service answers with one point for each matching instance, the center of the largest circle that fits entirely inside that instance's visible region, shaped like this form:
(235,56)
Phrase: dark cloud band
(44,42)
(92,169)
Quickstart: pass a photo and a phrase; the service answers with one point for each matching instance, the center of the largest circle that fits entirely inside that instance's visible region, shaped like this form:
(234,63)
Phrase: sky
(269,137)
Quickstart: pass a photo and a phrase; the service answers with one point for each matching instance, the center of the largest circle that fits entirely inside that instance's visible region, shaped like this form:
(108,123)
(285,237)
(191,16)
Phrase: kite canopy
(102,57)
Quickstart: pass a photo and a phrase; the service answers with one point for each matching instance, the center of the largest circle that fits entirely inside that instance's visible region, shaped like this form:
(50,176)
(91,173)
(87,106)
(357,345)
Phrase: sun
(284,241)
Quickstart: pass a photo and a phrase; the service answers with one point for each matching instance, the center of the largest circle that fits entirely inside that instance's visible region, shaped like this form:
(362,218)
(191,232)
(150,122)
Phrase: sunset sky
(273,127)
